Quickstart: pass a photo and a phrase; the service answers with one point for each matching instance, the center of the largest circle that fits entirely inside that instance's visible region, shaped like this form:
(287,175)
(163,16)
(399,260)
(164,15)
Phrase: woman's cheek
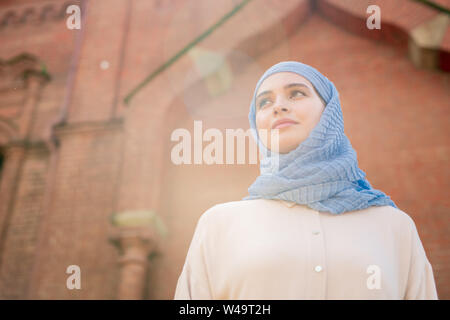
(264,137)
(262,122)
(302,114)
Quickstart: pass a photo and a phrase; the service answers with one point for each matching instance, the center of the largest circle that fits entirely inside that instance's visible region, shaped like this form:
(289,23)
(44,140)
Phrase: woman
(312,226)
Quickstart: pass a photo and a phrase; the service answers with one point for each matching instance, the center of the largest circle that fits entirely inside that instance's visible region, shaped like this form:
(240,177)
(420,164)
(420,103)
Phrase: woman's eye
(295,93)
(262,103)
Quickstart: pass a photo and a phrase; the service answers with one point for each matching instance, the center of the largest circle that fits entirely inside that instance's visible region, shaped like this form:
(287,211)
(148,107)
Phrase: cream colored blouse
(274,249)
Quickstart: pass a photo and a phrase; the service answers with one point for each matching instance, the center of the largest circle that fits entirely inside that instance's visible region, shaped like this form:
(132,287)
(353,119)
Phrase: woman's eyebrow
(286,87)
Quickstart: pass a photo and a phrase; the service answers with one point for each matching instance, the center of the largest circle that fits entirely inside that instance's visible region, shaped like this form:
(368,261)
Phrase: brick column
(14,155)
(35,84)
(135,244)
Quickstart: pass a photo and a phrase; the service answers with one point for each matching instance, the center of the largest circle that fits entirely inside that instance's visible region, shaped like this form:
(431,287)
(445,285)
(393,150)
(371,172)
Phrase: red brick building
(84,174)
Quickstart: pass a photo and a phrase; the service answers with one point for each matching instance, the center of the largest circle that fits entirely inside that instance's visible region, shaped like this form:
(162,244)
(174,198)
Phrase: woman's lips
(284,124)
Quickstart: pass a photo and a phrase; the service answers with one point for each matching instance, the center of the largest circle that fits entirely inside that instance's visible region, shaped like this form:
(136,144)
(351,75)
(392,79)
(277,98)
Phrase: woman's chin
(285,145)
(283,149)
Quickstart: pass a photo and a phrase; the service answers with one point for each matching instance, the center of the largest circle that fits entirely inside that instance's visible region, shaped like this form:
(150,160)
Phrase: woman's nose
(278,108)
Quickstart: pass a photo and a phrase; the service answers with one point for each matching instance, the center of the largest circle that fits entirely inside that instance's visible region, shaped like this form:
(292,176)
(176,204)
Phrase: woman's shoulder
(239,209)
(231,207)
(395,217)
(222,214)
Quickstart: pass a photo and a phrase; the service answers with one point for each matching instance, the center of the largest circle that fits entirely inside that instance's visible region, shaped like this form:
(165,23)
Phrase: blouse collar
(288,204)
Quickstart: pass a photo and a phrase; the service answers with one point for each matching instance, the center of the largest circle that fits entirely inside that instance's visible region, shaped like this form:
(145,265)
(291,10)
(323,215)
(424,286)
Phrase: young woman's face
(290,98)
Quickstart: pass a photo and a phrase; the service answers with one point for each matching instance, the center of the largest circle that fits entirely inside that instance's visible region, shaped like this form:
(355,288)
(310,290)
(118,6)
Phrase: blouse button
(318,268)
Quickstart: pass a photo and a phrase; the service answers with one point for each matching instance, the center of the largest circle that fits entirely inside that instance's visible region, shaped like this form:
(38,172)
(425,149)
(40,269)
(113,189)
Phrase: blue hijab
(322,172)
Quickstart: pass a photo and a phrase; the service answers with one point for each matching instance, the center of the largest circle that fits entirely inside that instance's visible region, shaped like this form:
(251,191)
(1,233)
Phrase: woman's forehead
(280,79)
